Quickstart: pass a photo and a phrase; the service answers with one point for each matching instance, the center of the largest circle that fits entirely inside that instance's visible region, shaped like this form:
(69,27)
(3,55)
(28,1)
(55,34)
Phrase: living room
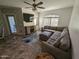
(27,38)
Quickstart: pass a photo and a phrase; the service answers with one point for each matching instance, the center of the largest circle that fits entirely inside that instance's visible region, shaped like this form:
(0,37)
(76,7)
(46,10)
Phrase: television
(28,17)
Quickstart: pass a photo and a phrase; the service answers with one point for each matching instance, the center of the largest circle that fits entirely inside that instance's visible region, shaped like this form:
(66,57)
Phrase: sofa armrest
(53,47)
(58,53)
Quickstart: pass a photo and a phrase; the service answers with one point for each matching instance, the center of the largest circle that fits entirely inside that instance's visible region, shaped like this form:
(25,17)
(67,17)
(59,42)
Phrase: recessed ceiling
(48,4)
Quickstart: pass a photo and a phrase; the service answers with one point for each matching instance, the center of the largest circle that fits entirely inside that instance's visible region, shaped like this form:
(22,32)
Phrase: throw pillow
(54,37)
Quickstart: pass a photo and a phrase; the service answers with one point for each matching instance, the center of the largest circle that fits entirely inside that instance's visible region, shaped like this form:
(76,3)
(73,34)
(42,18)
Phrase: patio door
(11,22)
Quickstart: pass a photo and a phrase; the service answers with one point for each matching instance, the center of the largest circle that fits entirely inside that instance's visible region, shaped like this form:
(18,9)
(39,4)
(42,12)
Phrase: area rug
(31,38)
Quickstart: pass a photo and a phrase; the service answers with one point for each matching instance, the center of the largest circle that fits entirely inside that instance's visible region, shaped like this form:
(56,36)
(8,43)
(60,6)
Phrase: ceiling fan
(35,5)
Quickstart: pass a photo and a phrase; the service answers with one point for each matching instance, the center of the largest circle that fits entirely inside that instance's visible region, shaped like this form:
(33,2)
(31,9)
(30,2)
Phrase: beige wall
(24,10)
(64,13)
(17,12)
(74,30)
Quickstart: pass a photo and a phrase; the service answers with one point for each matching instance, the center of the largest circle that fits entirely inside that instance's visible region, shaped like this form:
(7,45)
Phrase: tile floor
(15,48)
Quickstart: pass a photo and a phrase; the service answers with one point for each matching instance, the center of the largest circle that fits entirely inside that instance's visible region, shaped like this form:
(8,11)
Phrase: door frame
(8,22)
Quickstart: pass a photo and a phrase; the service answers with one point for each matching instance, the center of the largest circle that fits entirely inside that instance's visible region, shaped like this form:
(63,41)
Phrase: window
(46,21)
(54,21)
(51,20)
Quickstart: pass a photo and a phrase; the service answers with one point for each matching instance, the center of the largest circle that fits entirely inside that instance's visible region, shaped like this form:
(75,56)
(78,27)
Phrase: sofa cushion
(47,27)
(65,41)
(46,33)
(54,37)
(57,43)
(44,36)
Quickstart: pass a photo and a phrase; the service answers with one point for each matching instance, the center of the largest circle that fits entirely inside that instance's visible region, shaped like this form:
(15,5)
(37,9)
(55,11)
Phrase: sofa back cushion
(54,28)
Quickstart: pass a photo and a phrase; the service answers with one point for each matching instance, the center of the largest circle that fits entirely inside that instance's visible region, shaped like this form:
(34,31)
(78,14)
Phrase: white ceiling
(48,4)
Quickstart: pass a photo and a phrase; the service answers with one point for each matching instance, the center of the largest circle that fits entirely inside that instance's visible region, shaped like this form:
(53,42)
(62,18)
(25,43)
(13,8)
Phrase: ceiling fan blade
(40,3)
(27,3)
(42,7)
(28,7)
(34,0)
